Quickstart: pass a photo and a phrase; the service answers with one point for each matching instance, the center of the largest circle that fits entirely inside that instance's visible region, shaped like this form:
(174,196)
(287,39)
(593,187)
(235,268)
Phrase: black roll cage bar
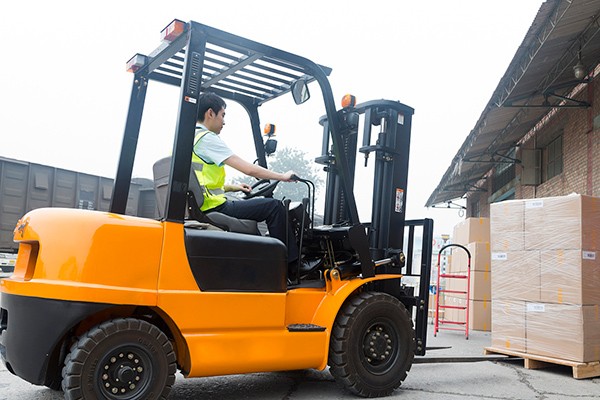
(202,59)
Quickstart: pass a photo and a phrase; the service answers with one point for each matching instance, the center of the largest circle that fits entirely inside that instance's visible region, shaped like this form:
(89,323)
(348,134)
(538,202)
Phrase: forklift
(105,305)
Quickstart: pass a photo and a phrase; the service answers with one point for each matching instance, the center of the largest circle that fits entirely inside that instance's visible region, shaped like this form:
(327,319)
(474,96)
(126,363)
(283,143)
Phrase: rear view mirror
(300,91)
(270,146)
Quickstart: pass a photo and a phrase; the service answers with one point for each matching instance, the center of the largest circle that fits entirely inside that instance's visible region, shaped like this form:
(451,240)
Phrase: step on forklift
(178,295)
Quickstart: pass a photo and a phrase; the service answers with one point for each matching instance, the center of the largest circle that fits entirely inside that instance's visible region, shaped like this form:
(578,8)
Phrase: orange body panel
(232,332)
(255,350)
(239,332)
(90,256)
(87,255)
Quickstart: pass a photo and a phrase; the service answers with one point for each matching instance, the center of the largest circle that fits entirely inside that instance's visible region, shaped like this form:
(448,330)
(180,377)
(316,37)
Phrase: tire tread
(82,348)
(340,366)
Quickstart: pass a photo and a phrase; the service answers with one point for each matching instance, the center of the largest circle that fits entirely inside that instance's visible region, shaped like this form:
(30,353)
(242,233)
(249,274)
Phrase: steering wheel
(264,187)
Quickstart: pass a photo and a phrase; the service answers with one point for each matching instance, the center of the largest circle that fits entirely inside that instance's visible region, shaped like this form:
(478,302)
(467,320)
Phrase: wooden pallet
(532,361)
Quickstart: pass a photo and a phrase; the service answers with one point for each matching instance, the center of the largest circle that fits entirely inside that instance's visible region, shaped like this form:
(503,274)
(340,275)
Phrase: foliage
(289,159)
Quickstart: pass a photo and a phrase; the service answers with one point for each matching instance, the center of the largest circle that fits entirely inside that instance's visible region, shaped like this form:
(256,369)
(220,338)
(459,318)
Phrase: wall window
(505,172)
(553,158)
(476,208)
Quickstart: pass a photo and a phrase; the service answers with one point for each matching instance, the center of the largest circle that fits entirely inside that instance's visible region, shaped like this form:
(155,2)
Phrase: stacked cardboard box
(472,230)
(474,234)
(508,324)
(545,287)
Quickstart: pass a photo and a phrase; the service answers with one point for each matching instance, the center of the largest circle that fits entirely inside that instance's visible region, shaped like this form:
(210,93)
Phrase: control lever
(311,194)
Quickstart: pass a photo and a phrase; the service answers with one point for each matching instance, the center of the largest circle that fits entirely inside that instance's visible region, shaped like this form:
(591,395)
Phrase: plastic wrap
(570,277)
(564,331)
(561,331)
(516,275)
(508,325)
(546,275)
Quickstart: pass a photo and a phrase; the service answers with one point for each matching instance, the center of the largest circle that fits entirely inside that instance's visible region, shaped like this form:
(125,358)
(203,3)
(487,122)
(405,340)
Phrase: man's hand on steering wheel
(242,187)
(264,187)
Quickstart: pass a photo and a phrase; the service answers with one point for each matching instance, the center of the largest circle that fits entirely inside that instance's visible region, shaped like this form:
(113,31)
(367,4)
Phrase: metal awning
(539,79)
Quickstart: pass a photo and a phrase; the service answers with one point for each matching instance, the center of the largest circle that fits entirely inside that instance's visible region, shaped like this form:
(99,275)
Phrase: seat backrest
(161,170)
(195,199)
(194,186)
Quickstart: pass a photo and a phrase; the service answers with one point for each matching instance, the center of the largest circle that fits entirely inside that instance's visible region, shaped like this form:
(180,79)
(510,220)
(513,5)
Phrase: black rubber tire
(369,325)
(120,359)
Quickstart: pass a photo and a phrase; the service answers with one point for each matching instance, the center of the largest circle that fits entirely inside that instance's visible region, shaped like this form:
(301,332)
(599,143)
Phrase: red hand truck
(440,298)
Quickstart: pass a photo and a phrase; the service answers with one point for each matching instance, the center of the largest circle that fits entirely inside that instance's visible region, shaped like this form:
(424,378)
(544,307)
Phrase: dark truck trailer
(25,186)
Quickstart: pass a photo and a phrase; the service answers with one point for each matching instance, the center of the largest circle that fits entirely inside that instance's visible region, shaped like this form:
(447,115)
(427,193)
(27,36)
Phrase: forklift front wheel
(372,345)
(124,358)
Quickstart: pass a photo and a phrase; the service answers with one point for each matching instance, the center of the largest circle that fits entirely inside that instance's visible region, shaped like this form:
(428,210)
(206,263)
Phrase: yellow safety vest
(211,178)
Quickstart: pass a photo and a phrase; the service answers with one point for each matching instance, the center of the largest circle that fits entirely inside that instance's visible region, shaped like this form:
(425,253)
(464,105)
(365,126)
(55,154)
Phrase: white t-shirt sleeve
(212,149)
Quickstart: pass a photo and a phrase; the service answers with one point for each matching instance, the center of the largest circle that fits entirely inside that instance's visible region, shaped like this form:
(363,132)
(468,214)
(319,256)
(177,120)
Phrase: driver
(211,151)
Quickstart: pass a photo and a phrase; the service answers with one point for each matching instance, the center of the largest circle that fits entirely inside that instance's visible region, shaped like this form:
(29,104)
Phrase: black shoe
(307,266)
(292,277)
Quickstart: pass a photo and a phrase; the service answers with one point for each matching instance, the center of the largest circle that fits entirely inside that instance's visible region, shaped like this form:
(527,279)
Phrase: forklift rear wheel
(372,345)
(124,358)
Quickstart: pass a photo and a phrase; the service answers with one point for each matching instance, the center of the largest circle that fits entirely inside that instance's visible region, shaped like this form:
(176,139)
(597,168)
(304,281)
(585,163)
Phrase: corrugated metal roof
(541,69)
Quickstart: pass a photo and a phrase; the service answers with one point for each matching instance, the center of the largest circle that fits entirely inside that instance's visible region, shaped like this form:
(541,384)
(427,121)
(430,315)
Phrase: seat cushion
(233,224)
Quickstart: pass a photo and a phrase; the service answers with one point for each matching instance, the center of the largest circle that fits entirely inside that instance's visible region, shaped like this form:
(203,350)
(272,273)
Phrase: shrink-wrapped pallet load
(546,281)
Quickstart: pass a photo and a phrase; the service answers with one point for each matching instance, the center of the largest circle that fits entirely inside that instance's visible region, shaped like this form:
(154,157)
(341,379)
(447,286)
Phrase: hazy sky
(64,89)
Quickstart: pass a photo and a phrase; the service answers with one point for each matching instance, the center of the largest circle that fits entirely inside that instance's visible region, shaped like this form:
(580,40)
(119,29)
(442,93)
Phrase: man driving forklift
(213,154)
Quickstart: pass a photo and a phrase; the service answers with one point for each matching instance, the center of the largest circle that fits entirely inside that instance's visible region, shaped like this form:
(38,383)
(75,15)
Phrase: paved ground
(502,380)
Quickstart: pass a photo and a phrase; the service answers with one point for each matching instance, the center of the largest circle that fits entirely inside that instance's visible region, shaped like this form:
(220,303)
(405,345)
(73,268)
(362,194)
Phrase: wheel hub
(126,373)
(378,344)
(123,373)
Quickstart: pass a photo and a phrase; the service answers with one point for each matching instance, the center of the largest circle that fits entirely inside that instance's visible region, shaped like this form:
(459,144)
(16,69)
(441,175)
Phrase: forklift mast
(386,230)
(391,148)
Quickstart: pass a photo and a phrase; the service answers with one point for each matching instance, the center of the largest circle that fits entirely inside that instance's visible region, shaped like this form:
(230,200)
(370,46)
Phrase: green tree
(286,159)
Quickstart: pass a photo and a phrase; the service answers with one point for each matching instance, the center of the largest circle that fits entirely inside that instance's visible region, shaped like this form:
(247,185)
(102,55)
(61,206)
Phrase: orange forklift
(105,305)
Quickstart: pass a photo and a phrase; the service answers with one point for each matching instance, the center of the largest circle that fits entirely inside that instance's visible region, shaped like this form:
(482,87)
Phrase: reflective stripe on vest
(211,178)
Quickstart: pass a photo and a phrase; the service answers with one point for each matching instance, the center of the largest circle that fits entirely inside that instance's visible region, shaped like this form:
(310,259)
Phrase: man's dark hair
(208,101)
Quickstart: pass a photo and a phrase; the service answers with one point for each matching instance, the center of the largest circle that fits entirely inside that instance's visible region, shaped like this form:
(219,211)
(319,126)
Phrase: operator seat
(195,197)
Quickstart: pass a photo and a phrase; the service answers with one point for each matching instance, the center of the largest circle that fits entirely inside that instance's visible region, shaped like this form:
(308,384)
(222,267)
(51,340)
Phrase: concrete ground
(445,381)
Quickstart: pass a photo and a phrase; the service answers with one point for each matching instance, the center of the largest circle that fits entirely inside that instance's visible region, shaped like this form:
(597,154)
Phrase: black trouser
(265,209)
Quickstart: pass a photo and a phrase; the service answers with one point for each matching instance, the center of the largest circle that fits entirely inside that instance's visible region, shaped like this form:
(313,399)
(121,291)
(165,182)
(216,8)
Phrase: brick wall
(595,138)
(479,201)
(581,154)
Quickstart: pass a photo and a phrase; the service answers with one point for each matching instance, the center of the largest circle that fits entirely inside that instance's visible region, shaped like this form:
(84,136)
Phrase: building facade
(559,156)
